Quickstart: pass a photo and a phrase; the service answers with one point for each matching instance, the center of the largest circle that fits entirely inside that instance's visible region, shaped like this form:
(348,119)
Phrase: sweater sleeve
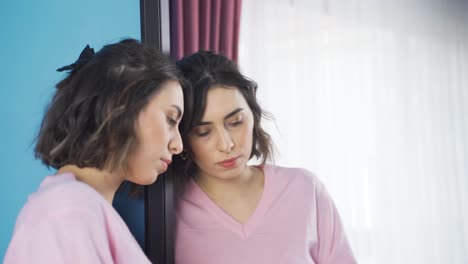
(333,246)
(69,236)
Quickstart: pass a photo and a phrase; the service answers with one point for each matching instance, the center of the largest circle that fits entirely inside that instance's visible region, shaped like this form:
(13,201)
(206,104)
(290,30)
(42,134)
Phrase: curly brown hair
(90,120)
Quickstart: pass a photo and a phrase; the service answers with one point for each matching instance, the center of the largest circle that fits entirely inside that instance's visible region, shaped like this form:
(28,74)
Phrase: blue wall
(37,37)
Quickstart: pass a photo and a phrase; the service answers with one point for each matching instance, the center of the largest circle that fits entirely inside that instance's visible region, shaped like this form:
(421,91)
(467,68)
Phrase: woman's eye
(171,121)
(236,123)
(203,134)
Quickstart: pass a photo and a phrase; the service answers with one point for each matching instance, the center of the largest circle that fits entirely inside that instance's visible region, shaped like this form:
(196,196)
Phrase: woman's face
(222,142)
(158,134)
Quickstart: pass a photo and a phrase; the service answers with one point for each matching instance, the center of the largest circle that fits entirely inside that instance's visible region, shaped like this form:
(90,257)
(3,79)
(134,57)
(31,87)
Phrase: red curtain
(205,24)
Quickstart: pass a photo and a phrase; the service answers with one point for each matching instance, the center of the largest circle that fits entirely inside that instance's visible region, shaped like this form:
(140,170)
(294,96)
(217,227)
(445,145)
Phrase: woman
(114,117)
(232,212)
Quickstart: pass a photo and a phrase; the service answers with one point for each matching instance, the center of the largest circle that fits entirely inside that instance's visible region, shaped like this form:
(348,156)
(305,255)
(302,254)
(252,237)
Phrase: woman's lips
(166,163)
(229,163)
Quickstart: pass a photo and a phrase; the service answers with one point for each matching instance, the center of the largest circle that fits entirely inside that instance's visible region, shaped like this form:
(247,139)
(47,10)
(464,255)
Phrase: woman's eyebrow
(232,113)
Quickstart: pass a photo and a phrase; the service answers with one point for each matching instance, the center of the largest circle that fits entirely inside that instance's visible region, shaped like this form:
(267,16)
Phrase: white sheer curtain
(372,96)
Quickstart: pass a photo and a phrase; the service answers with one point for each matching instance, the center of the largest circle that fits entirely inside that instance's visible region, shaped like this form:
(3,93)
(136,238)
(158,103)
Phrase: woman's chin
(150,179)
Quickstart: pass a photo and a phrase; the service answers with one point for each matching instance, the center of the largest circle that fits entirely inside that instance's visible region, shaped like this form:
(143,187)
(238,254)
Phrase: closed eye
(203,134)
(171,121)
(236,123)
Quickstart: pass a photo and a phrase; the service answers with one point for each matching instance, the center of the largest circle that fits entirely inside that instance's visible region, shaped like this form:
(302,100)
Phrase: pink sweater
(295,222)
(67,221)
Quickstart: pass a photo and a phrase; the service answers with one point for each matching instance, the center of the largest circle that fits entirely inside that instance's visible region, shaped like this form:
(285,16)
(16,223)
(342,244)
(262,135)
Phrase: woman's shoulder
(59,195)
(65,190)
(292,177)
(291,173)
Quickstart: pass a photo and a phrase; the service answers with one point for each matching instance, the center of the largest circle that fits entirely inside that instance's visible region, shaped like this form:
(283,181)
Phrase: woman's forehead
(220,101)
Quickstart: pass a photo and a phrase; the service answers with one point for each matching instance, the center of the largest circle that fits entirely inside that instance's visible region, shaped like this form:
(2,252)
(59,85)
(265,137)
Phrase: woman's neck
(217,187)
(238,197)
(102,181)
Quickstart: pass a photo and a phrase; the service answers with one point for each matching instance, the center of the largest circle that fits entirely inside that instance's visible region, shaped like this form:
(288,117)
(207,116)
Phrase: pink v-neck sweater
(295,222)
(67,221)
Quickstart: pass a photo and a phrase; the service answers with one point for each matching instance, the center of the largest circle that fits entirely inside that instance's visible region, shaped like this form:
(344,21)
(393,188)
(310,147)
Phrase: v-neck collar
(246,229)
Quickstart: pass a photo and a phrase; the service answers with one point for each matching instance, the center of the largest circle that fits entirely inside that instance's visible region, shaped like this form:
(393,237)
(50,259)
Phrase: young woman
(114,117)
(229,211)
